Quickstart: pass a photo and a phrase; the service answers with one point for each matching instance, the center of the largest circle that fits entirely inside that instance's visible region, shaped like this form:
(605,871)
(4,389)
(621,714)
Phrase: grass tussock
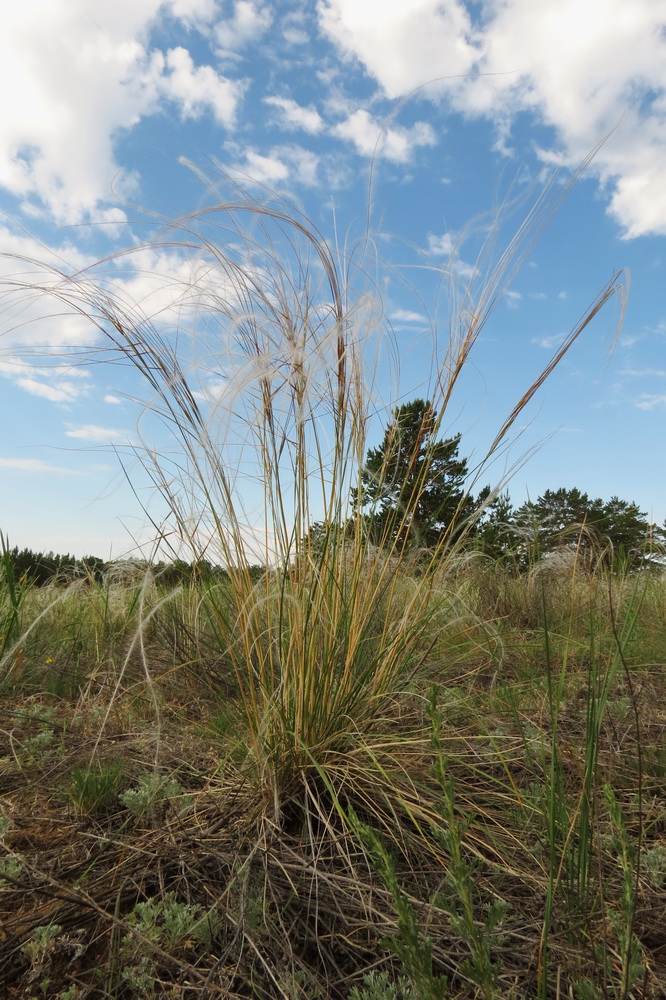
(372,769)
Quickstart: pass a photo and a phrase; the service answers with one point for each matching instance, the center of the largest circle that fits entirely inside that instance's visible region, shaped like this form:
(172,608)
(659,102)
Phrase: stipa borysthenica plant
(268,403)
(316,647)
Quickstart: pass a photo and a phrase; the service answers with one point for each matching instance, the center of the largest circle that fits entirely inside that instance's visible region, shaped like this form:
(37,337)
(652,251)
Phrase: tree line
(37,569)
(413,487)
(414,484)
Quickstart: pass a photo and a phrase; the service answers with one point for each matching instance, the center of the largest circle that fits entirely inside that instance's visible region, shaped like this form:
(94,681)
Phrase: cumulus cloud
(406,316)
(198,89)
(293,27)
(649,402)
(548,342)
(644,372)
(41,307)
(72,97)
(448,245)
(403,45)
(248,22)
(281,164)
(372,138)
(260,169)
(293,115)
(56,383)
(35,465)
(295,36)
(99,435)
(34,319)
(196,13)
(589,70)
(65,392)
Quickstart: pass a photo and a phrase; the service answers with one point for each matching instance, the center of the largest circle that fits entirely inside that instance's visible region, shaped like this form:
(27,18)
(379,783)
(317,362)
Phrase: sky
(415,134)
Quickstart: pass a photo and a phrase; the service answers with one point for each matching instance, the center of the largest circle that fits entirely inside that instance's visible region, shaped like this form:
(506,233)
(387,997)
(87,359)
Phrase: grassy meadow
(495,828)
(377,770)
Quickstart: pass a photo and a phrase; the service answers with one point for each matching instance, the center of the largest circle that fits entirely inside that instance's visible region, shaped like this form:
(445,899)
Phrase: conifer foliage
(412,484)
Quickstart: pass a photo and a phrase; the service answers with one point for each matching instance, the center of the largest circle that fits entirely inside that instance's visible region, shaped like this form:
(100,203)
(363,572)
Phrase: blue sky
(415,122)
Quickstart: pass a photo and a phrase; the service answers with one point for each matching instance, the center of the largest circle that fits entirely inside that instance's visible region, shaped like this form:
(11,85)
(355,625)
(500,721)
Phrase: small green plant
(71,993)
(151,794)
(140,977)
(39,713)
(93,788)
(170,925)
(619,708)
(378,986)
(10,867)
(410,946)
(41,943)
(297,985)
(37,749)
(653,864)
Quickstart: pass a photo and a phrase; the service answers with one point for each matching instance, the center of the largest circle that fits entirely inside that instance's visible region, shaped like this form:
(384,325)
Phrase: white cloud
(648,402)
(295,36)
(261,169)
(31,317)
(213,392)
(614,75)
(548,342)
(78,78)
(161,283)
(293,27)
(196,13)
(448,245)
(303,164)
(407,316)
(293,115)
(64,392)
(114,400)
(102,435)
(583,67)
(512,299)
(197,89)
(57,383)
(35,465)
(249,22)
(443,245)
(281,164)
(372,138)
(165,285)
(403,45)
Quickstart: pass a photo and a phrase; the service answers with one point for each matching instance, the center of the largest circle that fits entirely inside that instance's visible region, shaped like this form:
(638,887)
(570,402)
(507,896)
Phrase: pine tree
(413,486)
(568,517)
